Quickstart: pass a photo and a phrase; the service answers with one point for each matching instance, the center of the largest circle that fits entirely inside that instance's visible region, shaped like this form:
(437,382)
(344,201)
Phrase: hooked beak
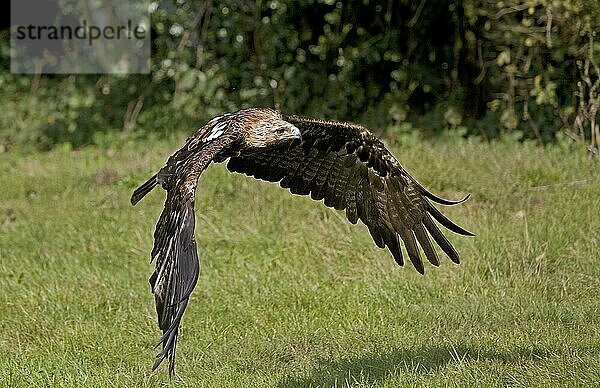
(297,133)
(297,139)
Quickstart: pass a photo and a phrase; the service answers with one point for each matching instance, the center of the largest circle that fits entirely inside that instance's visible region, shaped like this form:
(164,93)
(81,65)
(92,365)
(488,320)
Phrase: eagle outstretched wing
(349,168)
(176,259)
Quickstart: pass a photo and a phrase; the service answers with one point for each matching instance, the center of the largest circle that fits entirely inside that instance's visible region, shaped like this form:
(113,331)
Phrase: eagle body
(342,164)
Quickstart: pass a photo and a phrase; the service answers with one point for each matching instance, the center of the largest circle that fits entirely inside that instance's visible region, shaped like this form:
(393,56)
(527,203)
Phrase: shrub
(526,67)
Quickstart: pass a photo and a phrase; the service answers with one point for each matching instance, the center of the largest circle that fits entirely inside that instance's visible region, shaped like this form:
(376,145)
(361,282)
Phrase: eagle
(342,163)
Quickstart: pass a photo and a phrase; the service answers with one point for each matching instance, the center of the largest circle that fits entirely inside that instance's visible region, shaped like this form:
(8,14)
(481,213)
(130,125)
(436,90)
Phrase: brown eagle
(342,163)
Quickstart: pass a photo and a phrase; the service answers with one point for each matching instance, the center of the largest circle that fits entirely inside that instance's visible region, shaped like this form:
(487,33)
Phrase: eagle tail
(176,271)
(144,189)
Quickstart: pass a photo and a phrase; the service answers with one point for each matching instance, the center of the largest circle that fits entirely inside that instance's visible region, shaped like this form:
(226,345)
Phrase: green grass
(292,295)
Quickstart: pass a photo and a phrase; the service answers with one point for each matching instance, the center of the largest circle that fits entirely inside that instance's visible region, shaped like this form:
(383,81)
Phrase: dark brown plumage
(341,163)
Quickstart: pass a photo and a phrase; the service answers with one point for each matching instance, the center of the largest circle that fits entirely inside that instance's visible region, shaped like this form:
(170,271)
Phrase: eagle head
(265,127)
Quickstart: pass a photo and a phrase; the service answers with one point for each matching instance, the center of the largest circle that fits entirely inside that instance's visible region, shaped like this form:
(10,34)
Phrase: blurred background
(528,68)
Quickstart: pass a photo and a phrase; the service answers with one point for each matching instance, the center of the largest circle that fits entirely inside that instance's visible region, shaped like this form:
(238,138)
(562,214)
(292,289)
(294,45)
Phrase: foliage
(525,67)
(539,61)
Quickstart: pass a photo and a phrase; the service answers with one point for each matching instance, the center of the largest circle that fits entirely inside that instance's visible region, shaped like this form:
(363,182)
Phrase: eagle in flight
(341,163)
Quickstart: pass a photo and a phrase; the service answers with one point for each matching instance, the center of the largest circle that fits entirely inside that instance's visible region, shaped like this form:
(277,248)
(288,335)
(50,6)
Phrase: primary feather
(342,164)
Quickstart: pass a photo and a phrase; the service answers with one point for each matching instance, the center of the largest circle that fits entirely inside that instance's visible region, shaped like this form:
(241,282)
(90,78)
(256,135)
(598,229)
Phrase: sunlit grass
(290,294)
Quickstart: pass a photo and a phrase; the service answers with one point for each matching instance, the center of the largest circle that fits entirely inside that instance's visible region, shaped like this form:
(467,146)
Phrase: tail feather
(144,189)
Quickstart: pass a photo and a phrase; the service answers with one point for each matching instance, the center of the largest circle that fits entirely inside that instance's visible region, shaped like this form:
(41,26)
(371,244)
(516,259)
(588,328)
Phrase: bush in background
(528,68)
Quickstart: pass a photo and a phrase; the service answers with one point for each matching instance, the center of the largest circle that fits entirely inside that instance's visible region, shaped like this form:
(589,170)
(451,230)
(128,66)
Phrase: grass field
(290,294)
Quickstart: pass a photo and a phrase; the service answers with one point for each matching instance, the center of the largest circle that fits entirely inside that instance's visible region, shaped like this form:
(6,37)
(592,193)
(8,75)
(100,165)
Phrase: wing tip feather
(446,222)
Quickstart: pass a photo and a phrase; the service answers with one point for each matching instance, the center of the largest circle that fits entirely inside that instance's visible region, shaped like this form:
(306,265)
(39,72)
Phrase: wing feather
(442,219)
(300,183)
(350,169)
(174,251)
(426,244)
(317,192)
(440,239)
(311,171)
(292,166)
(386,216)
(411,248)
(370,213)
(338,192)
(278,167)
(351,189)
(333,179)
